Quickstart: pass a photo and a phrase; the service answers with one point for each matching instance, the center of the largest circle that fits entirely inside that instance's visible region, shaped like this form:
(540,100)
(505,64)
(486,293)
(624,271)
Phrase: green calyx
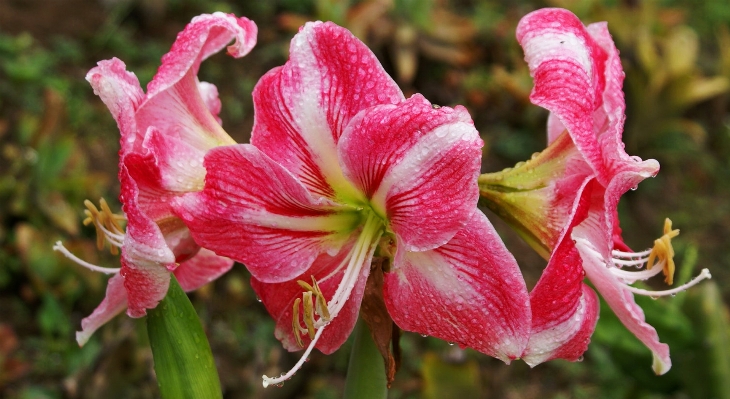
(522,195)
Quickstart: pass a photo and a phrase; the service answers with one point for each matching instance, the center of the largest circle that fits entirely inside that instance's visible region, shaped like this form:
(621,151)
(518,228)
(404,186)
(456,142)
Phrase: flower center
(107,229)
(663,254)
(317,312)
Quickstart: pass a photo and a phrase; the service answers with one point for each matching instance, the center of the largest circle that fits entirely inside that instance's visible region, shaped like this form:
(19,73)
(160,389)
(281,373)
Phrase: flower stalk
(366,376)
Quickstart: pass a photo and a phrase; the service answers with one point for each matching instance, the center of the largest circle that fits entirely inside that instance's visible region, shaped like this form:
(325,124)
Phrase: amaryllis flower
(342,168)
(164,136)
(564,201)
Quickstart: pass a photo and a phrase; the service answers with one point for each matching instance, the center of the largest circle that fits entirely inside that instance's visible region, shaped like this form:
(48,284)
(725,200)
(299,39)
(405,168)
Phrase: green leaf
(183,360)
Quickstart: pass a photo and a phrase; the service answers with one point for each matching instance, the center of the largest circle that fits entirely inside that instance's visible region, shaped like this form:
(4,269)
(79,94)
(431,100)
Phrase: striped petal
(201,269)
(469,291)
(114,303)
(328,271)
(146,258)
(418,166)
(302,108)
(254,211)
(564,310)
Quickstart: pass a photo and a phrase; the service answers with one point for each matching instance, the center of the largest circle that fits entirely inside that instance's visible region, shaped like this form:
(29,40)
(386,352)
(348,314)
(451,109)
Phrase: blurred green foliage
(57,146)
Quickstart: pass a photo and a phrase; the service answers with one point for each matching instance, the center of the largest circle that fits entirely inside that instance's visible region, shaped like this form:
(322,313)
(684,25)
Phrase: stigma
(651,262)
(108,229)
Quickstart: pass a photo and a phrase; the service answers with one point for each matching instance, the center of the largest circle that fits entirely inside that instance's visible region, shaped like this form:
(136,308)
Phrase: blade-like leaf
(183,360)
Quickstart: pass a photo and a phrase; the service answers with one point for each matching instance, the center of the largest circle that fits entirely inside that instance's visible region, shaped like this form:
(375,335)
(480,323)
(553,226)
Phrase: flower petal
(113,304)
(595,240)
(418,166)
(564,310)
(201,269)
(146,257)
(469,291)
(568,69)
(254,211)
(122,94)
(328,271)
(621,301)
(302,108)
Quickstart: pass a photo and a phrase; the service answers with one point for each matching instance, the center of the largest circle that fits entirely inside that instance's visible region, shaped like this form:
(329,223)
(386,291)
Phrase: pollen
(664,252)
(106,222)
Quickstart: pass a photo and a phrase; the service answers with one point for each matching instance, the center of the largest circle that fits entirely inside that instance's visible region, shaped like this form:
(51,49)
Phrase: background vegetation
(58,145)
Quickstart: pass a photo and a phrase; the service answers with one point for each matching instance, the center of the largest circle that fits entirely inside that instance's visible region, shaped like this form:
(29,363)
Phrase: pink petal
(279,300)
(182,110)
(113,304)
(201,269)
(204,36)
(254,211)
(122,94)
(469,291)
(595,241)
(621,301)
(568,69)
(146,257)
(564,310)
(418,166)
(177,163)
(209,94)
(302,108)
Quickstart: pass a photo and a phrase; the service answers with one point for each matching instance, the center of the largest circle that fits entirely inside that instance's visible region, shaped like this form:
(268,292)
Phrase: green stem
(183,360)
(366,371)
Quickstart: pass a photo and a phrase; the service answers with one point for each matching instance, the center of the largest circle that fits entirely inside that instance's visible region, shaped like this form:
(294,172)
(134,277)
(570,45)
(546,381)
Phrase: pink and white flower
(164,136)
(342,168)
(565,200)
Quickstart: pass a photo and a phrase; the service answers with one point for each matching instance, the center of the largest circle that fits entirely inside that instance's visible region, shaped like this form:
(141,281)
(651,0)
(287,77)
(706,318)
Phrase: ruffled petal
(113,304)
(122,94)
(146,258)
(563,310)
(621,301)
(469,291)
(595,240)
(201,269)
(569,338)
(568,69)
(418,166)
(180,107)
(252,210)
(302,108)
(328,271)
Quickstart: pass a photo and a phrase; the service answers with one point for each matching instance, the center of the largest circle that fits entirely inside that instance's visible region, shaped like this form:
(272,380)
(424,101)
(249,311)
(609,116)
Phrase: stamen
(704,274)
(631,277)
(296,326)
(106,224)
(107,270)
(308,313)
(630,255)
(664,252)
(314,301)
(662,255)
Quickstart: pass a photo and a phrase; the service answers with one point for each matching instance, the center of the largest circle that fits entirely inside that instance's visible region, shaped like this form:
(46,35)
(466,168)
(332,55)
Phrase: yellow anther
(664,252)
(103,218)
(308,313)
(295,323)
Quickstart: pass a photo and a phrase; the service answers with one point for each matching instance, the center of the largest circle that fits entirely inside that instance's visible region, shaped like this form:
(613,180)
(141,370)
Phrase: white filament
(106,270)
